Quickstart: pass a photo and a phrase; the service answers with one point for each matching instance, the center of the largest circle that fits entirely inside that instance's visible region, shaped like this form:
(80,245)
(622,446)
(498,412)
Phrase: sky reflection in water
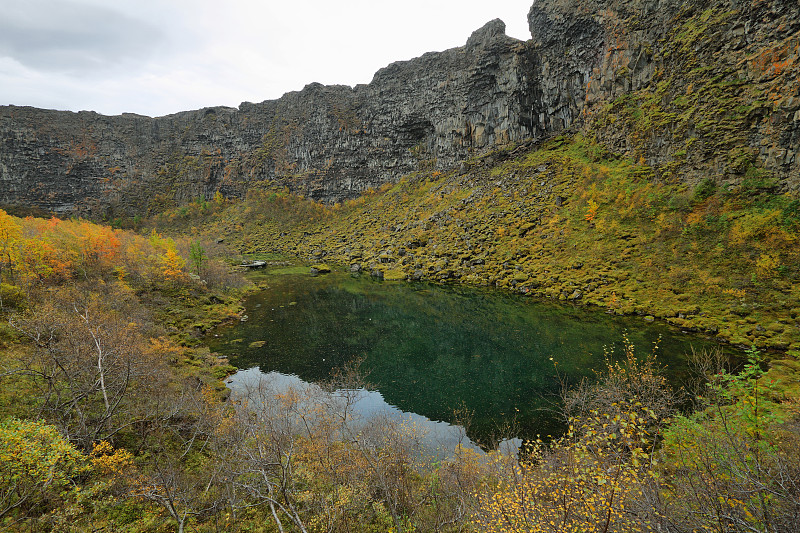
(431,351)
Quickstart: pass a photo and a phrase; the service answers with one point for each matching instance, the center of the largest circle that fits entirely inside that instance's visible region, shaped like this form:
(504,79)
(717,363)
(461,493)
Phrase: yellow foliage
(172,265)
(587,481)
(109,461)
(37,465)
(754,225)
(694,218)
(121,273)
(9,233)
(9,229)
(163,346)
(736,293)
(766,265)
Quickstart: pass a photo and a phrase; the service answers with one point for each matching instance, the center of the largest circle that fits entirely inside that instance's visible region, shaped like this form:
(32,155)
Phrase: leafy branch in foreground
(733,466)
(600,475)
(37,467)
(628,463)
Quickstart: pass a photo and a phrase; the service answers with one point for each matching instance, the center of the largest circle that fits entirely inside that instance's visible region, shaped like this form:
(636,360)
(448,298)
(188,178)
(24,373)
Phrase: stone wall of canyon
(333,142)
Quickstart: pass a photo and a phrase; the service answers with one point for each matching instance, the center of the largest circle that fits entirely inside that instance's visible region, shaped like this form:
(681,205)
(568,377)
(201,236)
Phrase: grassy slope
(702,258)
(661,205)
(181,309)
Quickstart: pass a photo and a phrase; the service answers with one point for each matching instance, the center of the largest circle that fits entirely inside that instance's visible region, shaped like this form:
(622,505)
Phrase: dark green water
(433,350)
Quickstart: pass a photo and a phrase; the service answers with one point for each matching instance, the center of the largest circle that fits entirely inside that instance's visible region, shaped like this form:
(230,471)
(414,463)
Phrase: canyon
(332,143)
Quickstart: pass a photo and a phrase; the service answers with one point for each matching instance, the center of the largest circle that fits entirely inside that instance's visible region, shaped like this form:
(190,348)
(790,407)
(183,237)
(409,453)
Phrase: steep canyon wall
(333,142)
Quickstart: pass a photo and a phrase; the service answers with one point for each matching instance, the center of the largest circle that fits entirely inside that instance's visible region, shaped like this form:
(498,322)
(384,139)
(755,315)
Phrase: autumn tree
(632,379)
(180,471)
(601,475)
(99,247)
(733,464)
(90,364)
(37,467)
(172,263)
(9,235)
(262,448)
(588,480)
(305,455)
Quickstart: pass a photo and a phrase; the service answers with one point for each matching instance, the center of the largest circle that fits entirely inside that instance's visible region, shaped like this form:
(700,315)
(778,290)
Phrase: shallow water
(434,351)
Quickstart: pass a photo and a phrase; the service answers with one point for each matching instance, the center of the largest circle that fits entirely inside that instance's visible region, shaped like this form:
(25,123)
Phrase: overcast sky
(156,57)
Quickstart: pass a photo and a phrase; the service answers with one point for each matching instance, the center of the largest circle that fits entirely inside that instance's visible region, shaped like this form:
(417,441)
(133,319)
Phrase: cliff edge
(691,90)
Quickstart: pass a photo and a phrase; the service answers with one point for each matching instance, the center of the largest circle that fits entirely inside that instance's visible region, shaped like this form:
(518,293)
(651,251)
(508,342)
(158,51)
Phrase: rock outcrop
(333,142)
(326,142)
(695,90)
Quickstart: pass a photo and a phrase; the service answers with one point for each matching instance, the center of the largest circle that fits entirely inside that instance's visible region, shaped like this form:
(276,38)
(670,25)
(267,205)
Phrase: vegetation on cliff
(566,220)
(674,199)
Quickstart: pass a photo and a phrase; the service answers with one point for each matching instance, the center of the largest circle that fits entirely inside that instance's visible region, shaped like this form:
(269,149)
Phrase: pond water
(434,351)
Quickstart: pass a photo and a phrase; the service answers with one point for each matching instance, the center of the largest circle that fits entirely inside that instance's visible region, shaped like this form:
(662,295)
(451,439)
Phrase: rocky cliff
(328,143)
(690,67)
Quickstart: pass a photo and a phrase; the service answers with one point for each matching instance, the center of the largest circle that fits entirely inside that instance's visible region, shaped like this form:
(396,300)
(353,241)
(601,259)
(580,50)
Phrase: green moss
(653,246)
(223,371)
(704,190)
(321,268)
(394,275)
(290,271)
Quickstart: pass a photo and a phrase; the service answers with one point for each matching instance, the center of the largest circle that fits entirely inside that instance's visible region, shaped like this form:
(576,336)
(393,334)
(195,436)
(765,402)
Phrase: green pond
(434,351)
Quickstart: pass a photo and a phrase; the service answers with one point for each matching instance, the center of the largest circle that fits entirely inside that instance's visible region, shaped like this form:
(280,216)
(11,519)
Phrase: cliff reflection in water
(439,350)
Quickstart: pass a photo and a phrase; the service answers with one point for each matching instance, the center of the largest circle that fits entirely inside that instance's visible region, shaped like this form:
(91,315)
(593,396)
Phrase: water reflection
(435,350)
(437,438)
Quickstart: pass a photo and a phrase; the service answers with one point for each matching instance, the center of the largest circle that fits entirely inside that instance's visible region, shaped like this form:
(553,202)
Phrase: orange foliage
(172,265)
(165,348)
(52,251)
(591,211)
(774,61)
(100,243)
(41,261)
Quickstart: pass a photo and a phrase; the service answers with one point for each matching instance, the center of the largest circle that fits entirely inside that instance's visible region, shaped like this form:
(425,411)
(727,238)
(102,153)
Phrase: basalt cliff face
(588,65)
(326,142)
